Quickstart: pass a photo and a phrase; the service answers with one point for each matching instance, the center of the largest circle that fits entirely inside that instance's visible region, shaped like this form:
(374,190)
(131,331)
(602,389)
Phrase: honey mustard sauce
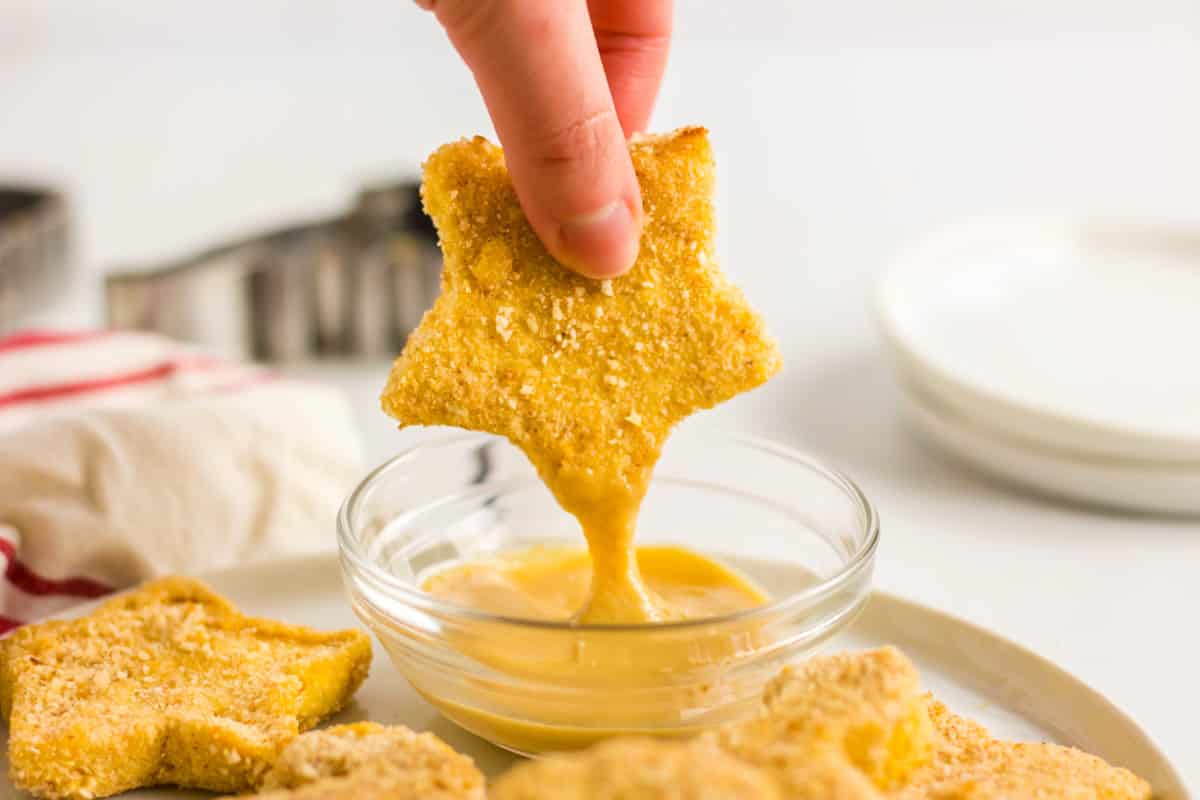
(642,679)
(553,583)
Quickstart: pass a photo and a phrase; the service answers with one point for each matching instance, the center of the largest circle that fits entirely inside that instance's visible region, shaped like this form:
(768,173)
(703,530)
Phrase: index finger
(539,70)
(634,37)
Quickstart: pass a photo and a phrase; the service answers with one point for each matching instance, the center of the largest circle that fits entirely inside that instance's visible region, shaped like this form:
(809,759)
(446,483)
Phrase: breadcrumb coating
(830,778)
(864,708)
(832,727)
(837,726)
(365,760)
(969,764)
(168,684)
(587,377)
(638,768)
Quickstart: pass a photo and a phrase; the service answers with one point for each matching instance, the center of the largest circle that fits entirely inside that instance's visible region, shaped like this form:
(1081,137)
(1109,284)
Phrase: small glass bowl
(802,532)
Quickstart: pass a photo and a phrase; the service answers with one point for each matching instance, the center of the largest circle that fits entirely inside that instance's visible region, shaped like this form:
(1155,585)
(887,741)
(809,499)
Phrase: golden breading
(365,760)
(970,765)
(168,684)
(865,708)
(833,779)
(587,377)
(637,768)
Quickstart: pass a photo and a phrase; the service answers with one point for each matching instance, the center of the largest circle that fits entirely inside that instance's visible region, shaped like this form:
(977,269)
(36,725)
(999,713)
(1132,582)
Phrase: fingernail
(602,243)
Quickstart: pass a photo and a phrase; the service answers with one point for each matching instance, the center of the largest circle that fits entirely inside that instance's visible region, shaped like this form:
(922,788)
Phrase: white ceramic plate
(1081,335)
(1147,487)
(1013,691)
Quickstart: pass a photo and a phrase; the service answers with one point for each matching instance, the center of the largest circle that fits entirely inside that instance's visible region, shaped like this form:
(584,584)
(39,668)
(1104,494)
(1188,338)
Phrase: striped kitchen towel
(128,455)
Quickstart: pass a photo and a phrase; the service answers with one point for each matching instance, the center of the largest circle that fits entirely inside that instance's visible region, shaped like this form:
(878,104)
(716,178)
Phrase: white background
(842,130)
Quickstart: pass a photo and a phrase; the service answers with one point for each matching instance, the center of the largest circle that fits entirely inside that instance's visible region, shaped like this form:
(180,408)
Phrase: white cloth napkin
(126,455)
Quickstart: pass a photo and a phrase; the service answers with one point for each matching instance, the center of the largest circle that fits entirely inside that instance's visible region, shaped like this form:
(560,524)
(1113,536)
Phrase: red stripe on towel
(30,582)
(35,394)
(24,339)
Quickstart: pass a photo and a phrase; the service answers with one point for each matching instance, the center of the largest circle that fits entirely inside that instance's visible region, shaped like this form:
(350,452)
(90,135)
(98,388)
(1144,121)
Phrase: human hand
(565,82)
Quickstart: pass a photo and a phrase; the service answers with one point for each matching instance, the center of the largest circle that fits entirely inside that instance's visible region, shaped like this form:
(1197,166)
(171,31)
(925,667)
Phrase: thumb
(539,70)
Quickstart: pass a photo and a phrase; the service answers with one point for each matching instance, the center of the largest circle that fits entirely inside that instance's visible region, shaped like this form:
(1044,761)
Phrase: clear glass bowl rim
(861,559)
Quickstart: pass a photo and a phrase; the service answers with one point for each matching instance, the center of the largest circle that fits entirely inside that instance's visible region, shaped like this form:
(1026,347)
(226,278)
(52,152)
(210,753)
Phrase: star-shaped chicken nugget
(864,708)
(166,685)
(971,765)
(366,760)
(587,377)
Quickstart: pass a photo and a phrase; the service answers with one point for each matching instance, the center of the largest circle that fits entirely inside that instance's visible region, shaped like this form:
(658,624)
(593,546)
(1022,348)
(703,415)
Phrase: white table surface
(840,133)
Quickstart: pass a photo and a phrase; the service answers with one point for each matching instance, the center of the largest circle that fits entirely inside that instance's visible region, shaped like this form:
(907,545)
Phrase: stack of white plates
(1060,355)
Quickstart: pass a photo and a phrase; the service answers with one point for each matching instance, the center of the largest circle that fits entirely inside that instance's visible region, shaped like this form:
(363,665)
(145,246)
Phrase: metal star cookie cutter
(348,286)
(34,248)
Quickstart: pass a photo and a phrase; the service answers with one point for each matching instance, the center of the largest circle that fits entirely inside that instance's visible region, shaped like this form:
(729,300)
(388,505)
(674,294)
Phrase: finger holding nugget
(545,75)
